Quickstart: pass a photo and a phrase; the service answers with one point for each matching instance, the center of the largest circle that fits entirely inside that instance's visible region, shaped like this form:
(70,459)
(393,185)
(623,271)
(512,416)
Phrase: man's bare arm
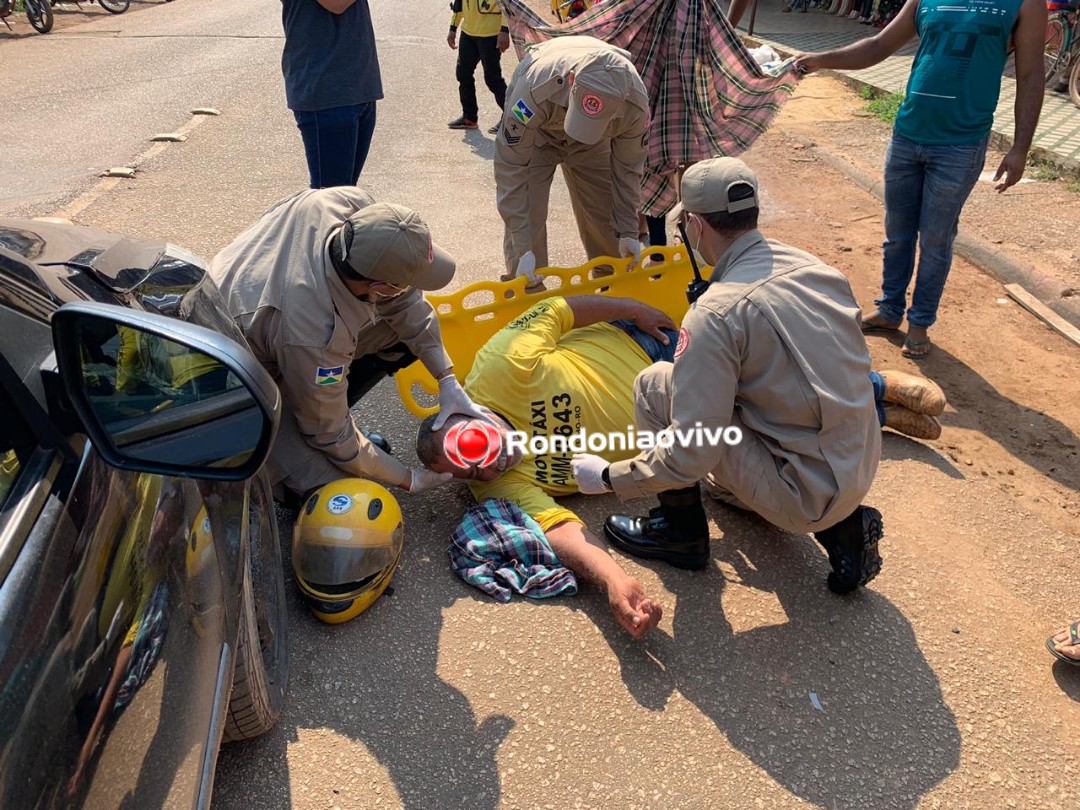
(585,555)
(590,309)
(1029,35)
(866,52)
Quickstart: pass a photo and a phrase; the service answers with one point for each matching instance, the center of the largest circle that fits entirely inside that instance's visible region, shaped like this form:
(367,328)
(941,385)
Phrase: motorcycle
(39,12)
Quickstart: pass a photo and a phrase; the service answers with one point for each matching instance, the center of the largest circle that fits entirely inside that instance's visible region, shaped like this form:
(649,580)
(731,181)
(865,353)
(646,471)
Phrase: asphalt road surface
(759,688)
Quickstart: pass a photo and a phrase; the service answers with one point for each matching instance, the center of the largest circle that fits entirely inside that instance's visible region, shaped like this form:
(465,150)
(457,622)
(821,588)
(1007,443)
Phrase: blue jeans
(336,142)
(925,190)
(650,345)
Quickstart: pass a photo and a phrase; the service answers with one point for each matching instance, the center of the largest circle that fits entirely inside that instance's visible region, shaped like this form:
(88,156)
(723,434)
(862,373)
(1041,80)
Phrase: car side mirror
(163,396)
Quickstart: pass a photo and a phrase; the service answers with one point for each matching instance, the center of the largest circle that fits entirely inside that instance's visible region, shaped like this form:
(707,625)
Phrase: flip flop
(1074,639)
(911,348)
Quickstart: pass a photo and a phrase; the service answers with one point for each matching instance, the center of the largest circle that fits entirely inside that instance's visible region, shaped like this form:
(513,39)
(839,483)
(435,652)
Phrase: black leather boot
(852,545)
(675,532)
(377,439)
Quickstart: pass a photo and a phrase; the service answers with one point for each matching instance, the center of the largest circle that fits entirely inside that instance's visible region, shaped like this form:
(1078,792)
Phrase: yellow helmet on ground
(346,546)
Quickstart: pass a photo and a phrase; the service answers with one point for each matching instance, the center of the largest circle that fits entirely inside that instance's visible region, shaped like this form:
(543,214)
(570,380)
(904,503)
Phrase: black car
(142,610)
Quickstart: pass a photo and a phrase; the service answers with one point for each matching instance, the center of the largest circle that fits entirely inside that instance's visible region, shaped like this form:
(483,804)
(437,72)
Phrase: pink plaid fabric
(708,97)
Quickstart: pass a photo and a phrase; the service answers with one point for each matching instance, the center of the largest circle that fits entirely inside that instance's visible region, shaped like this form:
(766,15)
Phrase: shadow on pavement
(883,737)
(1029,435)
(898,447)
(1068,678)
(482,145)
(416,725)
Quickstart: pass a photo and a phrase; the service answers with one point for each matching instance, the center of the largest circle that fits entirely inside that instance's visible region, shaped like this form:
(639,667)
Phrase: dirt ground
(1016,422)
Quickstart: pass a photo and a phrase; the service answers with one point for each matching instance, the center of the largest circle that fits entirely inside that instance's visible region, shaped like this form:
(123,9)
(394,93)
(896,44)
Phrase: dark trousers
(471,52)
(336,142)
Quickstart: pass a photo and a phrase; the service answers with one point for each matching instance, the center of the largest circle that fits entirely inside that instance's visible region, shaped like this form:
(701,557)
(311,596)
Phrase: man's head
(467,447)
(389,248)
(719,202)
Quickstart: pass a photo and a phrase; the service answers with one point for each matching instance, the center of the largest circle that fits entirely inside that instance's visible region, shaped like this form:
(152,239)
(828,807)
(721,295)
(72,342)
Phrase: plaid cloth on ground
(498,548)
(708,97)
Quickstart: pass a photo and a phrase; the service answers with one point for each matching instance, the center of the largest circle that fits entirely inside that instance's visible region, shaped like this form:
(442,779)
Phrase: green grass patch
(884,107)
(1048,172)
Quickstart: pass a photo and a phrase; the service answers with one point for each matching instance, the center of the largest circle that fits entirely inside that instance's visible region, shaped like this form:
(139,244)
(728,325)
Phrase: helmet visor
(333,562)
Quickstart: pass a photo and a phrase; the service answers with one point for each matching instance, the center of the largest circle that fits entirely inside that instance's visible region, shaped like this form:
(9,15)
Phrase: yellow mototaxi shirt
(478,18)
(547,378)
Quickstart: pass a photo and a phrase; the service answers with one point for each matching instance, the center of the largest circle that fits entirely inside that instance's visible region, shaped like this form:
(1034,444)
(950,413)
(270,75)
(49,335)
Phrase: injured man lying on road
(559,379)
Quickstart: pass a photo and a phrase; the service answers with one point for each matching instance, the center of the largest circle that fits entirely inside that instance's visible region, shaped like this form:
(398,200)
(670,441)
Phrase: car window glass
(16,444)
(131,374)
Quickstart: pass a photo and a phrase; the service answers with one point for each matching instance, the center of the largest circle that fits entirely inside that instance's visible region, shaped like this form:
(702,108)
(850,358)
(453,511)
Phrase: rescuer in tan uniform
(326,287)
(579,103)
(772,348)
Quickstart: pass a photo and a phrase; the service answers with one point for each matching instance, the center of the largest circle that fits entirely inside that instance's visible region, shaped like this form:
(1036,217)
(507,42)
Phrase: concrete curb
(973,248)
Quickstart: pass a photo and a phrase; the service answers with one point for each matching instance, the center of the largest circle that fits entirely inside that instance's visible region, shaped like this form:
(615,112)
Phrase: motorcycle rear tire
(1074,80)
(115,6)
(41,17)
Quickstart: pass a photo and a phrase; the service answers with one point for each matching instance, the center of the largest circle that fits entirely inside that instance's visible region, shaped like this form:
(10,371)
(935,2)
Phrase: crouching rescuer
(772,347)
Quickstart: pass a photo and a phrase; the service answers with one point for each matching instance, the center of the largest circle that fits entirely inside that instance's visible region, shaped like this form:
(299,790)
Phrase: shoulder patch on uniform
(329,376)
(684,341)
(521,111)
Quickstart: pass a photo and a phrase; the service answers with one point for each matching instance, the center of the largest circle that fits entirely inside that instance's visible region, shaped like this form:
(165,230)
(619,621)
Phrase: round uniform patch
(206,525)
(684,341)
(339,505)
(592,105)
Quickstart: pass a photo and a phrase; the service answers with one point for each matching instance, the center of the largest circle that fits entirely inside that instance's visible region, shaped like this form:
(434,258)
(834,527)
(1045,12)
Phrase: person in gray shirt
(332,82)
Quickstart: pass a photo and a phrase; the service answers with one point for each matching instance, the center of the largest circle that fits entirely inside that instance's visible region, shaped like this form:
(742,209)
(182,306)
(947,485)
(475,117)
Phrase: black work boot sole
(624,532)
(852,546)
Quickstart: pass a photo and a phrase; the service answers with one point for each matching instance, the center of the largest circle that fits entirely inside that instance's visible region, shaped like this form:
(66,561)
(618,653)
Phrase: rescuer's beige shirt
(305,326)
(536,105)
(776,340)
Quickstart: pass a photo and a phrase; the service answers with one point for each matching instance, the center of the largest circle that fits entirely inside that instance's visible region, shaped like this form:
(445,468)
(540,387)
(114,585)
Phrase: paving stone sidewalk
(1057,137)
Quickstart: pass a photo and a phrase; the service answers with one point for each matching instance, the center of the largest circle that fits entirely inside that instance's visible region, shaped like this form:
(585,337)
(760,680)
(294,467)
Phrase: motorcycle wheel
(40,14)
(1074,80)
(115,6)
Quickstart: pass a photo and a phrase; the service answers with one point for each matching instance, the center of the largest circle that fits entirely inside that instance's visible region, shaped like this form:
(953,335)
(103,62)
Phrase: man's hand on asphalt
(651,320)
(421,480)
(1012,167)
(451,40)
(636,613)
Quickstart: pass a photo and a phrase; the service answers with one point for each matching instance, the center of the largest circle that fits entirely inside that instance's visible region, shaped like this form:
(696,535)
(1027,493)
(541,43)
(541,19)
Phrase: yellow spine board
(471,315)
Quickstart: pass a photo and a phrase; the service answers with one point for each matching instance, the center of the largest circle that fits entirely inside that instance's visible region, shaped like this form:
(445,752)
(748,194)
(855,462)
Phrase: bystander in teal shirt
(956,78)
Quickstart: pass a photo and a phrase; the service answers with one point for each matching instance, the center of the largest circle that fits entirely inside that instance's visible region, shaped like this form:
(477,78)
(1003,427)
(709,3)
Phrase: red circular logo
(684,342)
(592,105)
(472,444)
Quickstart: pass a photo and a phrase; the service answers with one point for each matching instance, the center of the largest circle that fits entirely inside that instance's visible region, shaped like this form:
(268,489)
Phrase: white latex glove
(526,266)
(588,472)
(420,480)
(453,399)
(629,246)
